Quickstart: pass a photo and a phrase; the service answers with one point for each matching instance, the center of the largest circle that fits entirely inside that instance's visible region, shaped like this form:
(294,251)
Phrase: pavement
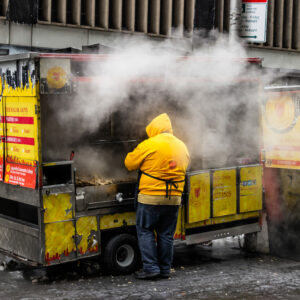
(220,271)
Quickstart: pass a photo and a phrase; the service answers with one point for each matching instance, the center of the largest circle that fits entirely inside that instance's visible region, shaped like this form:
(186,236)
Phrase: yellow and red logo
(56,77)
(281,114)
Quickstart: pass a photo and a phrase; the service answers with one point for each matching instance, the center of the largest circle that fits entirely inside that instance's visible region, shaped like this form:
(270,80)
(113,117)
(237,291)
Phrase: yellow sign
(224,193)
(21,129)
(281,130)
(251,189)
(199,198)
(56,77)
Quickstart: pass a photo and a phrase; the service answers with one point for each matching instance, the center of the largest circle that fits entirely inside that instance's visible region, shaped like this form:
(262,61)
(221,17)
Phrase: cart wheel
(121,254)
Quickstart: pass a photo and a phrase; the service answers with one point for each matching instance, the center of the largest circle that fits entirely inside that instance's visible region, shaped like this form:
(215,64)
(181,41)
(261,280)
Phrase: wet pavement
(220,271)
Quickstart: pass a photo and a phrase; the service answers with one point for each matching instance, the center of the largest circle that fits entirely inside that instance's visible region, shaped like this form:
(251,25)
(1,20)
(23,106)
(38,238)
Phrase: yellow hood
(160,124)
(161,155)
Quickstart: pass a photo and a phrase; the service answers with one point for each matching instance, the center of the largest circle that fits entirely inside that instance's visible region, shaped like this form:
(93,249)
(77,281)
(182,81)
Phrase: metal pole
(235,18)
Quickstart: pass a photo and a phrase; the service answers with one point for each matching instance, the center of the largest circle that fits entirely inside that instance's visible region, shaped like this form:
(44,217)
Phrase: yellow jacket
(162,155)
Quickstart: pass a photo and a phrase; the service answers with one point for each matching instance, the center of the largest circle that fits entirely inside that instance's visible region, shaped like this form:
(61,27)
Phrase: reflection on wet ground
(220,271)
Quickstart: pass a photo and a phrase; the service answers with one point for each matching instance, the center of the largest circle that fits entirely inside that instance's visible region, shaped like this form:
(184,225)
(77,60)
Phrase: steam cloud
(212,98)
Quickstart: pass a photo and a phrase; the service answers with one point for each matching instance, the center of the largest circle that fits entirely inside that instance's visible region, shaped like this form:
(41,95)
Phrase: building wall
(88,22)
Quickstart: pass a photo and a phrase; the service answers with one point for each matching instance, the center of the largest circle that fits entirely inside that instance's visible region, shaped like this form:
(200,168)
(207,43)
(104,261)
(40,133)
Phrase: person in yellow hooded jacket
(162,160)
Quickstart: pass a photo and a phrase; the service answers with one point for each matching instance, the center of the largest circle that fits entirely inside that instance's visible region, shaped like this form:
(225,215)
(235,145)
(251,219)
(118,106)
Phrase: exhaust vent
(157,17)
(283,30)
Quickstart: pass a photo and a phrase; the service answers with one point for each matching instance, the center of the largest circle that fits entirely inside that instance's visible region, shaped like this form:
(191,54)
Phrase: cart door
(59,224)
(224,192)
(251,193)
(199,200)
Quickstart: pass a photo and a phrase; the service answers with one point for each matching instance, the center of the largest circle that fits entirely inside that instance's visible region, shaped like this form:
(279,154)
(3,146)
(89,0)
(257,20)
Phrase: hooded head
(160,124)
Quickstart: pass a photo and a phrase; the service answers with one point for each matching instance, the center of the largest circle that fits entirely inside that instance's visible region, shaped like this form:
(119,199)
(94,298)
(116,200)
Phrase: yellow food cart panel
(59,241)
(224,219)
(117,220)
(87,230)
(199,197)
(224,192)
(58,207)
(21,138)
(250,189)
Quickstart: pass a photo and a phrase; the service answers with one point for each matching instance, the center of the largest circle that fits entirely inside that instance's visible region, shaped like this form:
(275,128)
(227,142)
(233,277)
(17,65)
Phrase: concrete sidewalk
(220,271)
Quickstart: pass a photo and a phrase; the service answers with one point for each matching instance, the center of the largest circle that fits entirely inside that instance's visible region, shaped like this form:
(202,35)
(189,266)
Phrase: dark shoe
(164,275)
(145,275)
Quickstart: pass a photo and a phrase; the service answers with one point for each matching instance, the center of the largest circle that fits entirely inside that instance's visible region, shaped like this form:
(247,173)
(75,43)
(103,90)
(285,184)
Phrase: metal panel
(58,204)
(18,226)
(19,34)
(166,17)
(278,28)
(20,194)
(226,21)
(62,11)
(296,25)
(19,239)
(115,14)
(59,241)
(224,192)
(251,193)
(288,60)
(178,16)
(270,23)
(129,14)
(55,36)
(76,12)
(154,16)
(189,11)
(141,15)
(288,24)
(88,235)
(46,11)
(235,18)
(220,15)
(117,220)
(21,56)
(4,32)
(222,233)
(90,12)
(199,202)
(103,12)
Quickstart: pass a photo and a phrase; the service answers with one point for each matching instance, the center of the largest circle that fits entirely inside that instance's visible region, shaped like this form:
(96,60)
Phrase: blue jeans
(156,257)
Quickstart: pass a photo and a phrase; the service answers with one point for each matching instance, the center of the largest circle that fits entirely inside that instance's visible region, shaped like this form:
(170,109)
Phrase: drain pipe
(235,19)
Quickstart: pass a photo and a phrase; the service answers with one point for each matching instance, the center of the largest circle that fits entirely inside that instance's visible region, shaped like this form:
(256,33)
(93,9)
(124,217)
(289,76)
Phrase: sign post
(254,20)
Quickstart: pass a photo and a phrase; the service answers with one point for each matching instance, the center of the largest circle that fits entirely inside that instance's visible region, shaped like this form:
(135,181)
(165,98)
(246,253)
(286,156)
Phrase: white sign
(254,20)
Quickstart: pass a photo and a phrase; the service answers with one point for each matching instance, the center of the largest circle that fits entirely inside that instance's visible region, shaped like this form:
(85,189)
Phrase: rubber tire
(110,261)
